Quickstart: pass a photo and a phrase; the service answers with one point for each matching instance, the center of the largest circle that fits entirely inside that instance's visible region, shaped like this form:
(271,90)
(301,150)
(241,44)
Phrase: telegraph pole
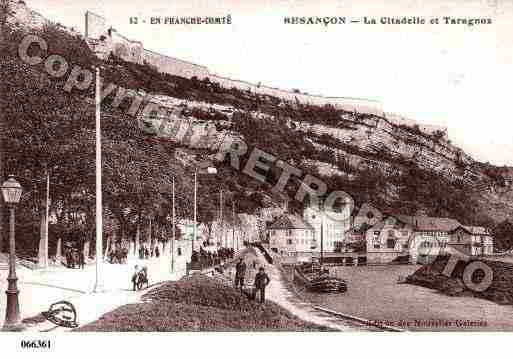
(174,231)
(322,238)
(195,233)
(233,226)
(221,217)
(98,286)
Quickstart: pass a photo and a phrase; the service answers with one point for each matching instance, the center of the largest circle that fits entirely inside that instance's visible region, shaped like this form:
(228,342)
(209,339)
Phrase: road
(40,288)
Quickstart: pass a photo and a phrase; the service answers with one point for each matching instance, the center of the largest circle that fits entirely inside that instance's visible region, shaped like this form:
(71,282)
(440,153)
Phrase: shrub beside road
(500,291)
(199,303)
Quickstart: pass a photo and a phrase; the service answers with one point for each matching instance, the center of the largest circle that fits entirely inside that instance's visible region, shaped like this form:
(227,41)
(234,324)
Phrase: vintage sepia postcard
(255,166)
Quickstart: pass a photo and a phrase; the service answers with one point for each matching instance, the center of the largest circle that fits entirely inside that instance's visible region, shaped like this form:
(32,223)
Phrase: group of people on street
(118,255)
(146,253)
(261,279)
(74,257)
(213,258)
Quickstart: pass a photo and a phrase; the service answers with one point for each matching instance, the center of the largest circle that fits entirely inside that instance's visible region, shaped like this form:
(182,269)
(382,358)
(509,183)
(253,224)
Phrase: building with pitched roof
(289,234)
(472,240)
(330,226)
(418,237)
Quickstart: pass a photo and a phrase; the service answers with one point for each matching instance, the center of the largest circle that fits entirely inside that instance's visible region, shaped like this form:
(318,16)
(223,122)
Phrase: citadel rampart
(105,40)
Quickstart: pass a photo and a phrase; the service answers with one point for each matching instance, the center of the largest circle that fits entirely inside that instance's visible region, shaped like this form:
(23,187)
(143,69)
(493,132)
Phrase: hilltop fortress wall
(105,40)
(22,15)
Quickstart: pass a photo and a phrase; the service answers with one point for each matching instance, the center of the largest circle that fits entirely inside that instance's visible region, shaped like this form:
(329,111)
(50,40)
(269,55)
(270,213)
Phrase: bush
(199,303)
(500,290)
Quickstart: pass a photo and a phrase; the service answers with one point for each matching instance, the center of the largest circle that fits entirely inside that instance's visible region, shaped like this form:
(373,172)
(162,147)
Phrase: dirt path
(279,293)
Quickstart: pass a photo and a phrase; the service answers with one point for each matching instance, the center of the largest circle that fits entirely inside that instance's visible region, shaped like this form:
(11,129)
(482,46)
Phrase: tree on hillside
(41,123)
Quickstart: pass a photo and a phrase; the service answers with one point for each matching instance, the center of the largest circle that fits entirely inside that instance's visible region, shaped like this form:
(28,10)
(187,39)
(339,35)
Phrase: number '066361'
(35,344)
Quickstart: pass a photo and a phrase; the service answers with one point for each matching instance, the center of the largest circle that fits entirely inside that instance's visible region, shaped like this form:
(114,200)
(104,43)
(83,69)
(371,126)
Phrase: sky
(458,76)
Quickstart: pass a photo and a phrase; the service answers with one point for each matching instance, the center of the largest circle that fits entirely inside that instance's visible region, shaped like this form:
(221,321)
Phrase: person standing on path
(240,272)
(261,281)
(81,259)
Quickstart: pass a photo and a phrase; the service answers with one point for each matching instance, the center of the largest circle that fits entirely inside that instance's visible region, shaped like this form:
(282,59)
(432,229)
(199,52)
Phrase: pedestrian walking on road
(261,281)
(81,259)
(240,272)
(134,277)
(67,253)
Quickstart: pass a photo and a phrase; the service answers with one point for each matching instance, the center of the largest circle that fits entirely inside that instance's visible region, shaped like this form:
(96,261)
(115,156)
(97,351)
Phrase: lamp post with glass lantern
(11,192)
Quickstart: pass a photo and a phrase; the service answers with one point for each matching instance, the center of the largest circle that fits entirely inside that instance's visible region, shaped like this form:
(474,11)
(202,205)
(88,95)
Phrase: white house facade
(472,240)
(418,237)
(289,234)
(331,225)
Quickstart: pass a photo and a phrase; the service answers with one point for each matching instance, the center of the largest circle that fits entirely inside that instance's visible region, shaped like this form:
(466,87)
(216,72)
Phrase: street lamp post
(11,192)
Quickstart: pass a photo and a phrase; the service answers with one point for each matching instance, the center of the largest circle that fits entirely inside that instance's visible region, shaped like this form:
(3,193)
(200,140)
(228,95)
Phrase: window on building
(391,243)
(289,232)
(377,246)
(289,241)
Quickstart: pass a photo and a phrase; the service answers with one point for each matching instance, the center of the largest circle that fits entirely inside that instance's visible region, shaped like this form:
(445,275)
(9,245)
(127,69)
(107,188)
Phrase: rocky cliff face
(364,141)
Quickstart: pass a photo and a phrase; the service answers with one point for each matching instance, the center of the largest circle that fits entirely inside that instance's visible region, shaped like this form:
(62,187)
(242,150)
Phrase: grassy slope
(199,303)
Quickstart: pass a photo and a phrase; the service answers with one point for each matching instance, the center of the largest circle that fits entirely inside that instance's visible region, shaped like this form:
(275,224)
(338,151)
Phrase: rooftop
(289,221)
(433,224)
(424,223)
(475,230)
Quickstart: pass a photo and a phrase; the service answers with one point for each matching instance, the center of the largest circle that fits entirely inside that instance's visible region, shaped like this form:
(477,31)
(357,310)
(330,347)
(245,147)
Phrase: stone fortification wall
(174,66)
(401,120)
(21,14)
(350,104)
(105,40)
(95,25)
(102,38)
